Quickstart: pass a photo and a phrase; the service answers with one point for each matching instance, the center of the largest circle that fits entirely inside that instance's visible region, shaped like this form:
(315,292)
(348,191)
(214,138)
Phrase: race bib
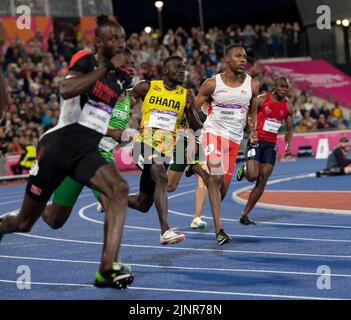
(107,144)
(96,116)
(272,125)
(163,119)
(227,113)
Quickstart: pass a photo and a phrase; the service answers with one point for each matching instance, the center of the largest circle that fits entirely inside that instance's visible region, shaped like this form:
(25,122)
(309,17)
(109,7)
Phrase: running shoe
(189,171)
(222,237)
(246,221)
(117,278)
(123,268)
(99,208)
(241,173)
(170,237)
(198,223)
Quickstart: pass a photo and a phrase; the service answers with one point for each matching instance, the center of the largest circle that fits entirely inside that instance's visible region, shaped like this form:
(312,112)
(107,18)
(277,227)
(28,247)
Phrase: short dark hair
(232,46)
(104,21)
(171,58)
(280,77)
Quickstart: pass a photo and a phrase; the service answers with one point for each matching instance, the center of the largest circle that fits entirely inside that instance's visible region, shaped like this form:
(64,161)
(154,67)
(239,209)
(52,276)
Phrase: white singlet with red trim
(228,110)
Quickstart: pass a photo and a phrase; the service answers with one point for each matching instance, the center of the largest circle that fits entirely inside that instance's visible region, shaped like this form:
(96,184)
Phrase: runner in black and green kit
(66,195)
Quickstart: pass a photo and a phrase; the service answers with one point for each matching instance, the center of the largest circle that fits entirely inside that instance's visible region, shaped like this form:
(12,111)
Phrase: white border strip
(243,294)
(238,199)
(297,273)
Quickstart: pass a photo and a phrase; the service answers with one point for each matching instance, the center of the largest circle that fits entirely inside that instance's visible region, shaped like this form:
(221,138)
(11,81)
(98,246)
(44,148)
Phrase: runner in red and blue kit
(274,109)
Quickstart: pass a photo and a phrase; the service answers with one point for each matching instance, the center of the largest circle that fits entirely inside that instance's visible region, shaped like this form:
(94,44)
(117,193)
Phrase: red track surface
(308,199)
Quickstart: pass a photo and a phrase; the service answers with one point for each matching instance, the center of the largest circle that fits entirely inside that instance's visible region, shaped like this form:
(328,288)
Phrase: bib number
(96,116)
(227,113)
(107,144)
(163,119)
(272,125)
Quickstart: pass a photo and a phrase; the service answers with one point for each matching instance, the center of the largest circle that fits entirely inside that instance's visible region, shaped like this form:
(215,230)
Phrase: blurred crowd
(33,74)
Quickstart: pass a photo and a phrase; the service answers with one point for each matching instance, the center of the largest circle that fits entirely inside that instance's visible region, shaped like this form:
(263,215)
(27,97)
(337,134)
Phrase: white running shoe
(99,208)
(170,237)
(198,223)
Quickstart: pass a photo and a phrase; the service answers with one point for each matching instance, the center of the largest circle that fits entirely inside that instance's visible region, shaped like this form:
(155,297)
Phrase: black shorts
(144,156)
(70,151)
(263,152)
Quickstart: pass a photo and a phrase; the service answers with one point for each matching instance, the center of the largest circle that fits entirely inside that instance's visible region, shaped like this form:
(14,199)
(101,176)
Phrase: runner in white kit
(232,96)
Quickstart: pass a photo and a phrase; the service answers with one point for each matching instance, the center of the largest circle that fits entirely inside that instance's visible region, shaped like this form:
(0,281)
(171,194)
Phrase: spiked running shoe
(118,279)
(241,173)
(170,237)
(222,237)
(246,221)
(198,223)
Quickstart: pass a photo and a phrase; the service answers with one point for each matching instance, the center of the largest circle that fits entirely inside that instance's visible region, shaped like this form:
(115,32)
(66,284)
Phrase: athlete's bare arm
(289,129)
(206,90)
(140,90)
(3,95)
(194,122)
(260,99)
(252,114)
(76,83)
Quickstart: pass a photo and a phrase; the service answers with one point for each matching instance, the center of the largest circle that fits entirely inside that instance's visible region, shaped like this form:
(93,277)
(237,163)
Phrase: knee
(55,224)
(120,189)
(171,187)
(215,179)
(24,227)
(251,178)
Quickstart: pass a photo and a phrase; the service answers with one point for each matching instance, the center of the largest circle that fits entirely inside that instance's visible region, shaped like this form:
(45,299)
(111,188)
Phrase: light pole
(201,15)
(346,23)
(159,6)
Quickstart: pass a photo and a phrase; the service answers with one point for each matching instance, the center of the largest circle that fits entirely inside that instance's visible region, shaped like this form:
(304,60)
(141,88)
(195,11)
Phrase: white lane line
(83,216)
(196,268)
(238,199)
(165,248)
(225,293)
(184,214)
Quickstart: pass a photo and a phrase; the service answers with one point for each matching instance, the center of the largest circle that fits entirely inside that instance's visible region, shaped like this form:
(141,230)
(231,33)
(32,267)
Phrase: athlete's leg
(64,199)
(200,196)
(252,170)
(173,179)
(266,170)
(108,181)
(159,176)
(29,213)
(144,200)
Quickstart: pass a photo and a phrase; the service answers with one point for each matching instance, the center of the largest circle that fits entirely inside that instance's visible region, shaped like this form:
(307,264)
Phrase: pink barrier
(322,78)
(311,139)
(124,158)
(10,161)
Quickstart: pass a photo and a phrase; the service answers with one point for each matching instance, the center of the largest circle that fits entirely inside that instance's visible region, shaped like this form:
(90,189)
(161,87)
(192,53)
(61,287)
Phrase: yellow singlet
(162,112)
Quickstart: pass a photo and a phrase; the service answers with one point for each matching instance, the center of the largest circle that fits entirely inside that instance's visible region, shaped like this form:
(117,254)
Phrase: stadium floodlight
(159,5)
(345,23)
(147,29)
(338,22)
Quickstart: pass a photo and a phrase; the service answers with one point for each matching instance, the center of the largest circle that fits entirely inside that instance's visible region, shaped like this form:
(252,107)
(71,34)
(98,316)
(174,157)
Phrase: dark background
(135,15)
